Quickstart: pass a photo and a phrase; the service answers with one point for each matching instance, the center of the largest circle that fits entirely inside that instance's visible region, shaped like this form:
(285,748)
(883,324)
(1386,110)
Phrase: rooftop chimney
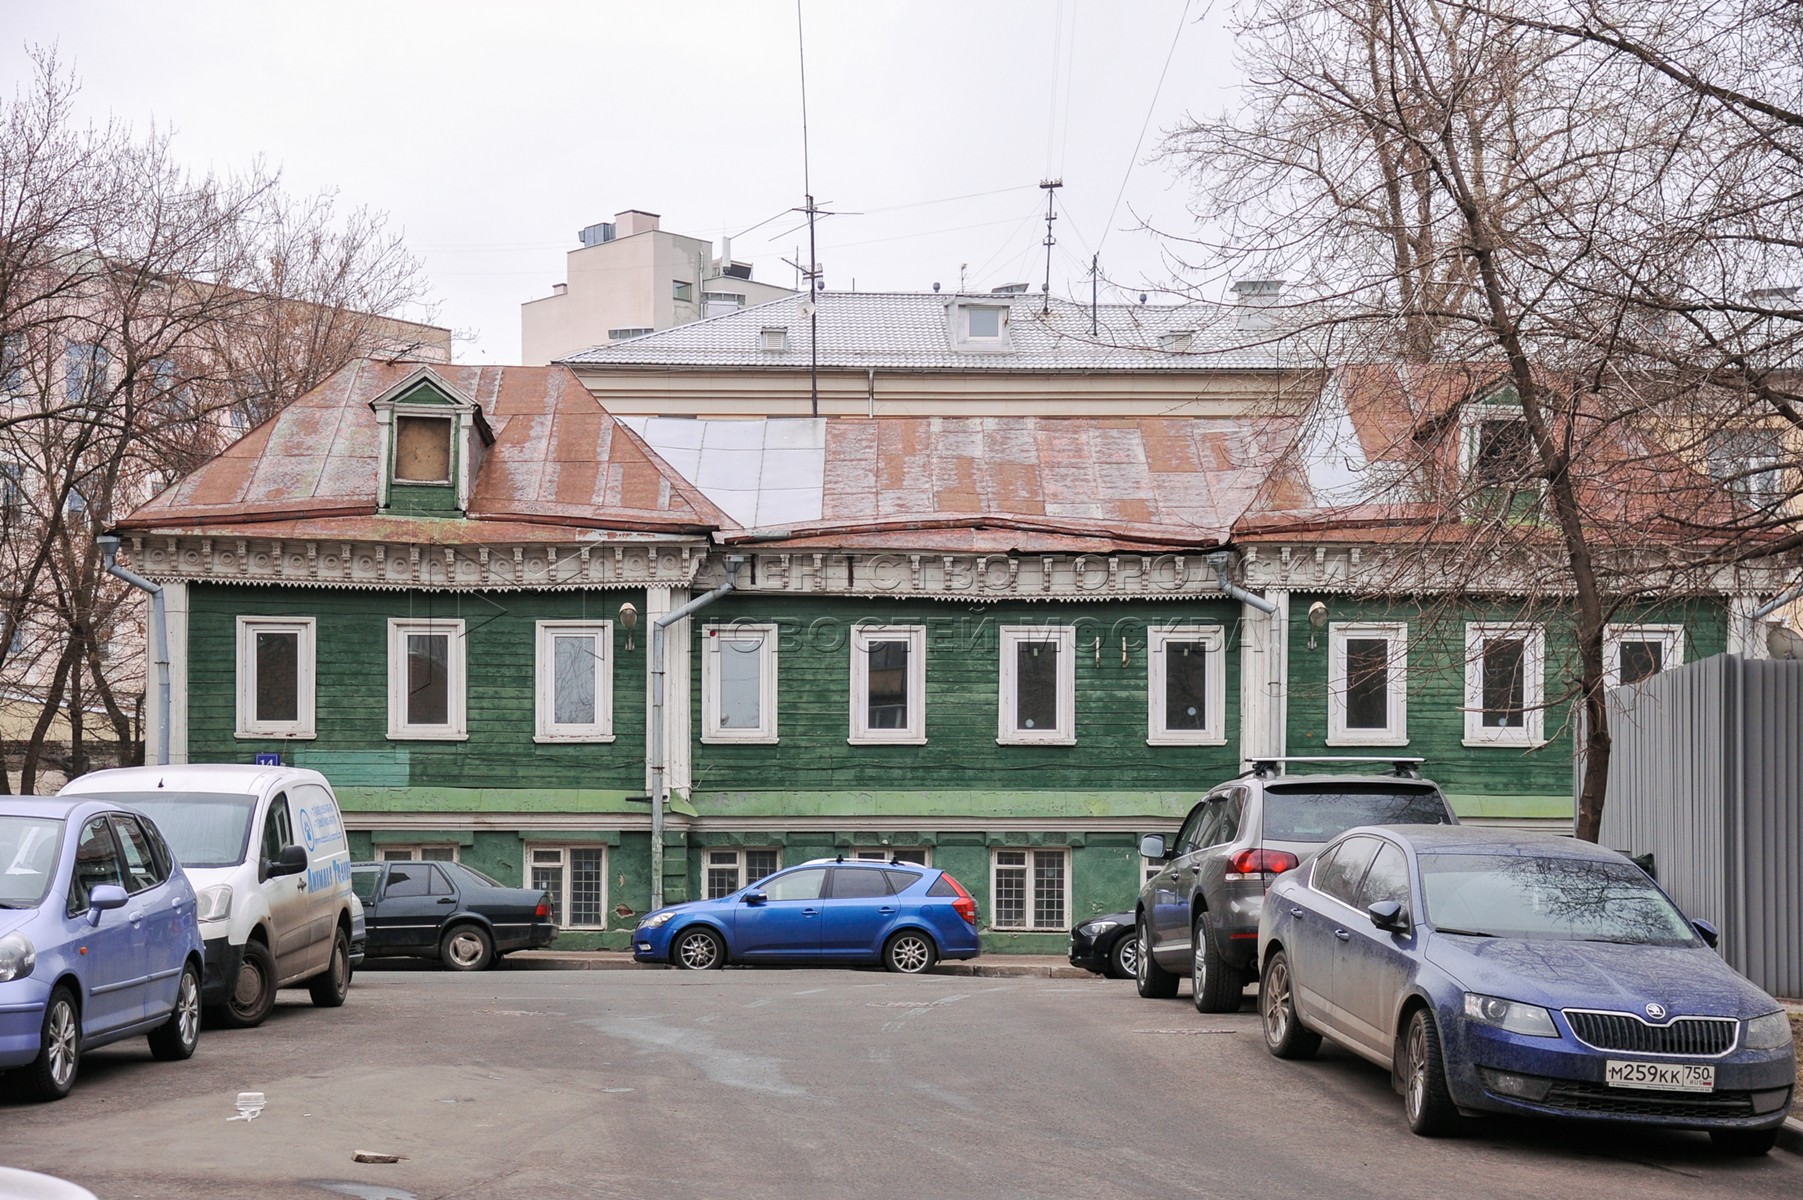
(634,220)
(1257,298)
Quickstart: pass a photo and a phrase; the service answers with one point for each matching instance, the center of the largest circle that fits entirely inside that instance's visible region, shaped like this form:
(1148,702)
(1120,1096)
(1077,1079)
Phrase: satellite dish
(806,308)
(1783,642)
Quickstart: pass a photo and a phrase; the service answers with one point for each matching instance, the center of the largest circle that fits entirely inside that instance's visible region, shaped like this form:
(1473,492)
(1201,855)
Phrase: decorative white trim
(456,727)
(713,638)
(1031,907)
(1533,668)
(546,728)
(1669,638)
(416,851)
(306,651)
(175,616)
(1063,639)
(1395,635)
(914,732)
(1214,697)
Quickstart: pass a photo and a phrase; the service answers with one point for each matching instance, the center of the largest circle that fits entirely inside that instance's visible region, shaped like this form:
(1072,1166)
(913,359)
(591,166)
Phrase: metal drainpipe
(1773,605)
(1220,564)
(159,635)
(658,790)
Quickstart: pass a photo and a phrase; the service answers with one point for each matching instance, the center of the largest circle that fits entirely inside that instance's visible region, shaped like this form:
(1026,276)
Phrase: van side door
(285,896)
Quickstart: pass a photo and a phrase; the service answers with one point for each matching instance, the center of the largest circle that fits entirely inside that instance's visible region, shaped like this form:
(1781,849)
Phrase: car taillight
(543,909)
(1260,864)
(965,906)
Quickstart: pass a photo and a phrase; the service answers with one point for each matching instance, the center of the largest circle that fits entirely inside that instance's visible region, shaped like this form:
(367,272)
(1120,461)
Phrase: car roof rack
(1269,767)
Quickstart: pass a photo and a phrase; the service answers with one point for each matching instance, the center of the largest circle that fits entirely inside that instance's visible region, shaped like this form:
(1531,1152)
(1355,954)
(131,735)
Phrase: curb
(1790,1136)
(996,967)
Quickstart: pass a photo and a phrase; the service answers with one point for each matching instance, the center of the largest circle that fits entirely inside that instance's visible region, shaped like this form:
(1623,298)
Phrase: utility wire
(1146,124)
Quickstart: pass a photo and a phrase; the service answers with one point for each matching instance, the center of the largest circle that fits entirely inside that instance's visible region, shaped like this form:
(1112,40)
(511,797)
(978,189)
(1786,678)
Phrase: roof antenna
(1051,187)
(811,307)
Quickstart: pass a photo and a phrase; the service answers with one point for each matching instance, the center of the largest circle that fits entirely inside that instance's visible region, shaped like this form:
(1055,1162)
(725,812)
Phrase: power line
(1144,125)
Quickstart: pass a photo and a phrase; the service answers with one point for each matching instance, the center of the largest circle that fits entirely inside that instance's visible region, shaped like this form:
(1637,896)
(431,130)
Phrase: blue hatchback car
(900,914)
(1495,971)
(98,939)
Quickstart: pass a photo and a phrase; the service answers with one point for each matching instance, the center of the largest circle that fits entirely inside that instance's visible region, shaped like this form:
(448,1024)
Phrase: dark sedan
(1107,945)
(447,911)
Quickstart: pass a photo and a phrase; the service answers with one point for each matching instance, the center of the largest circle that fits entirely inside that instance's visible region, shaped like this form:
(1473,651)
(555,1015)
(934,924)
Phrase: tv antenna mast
(1051,187)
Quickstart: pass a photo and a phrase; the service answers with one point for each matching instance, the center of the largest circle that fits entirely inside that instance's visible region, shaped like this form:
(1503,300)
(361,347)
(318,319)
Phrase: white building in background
(629,277)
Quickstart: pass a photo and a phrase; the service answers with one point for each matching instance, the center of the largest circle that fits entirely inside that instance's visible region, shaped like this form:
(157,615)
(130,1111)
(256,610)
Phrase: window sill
(1168,739)
(1379,740)
(1525,742)
(1040,741)
(726,739)
(552,739)
(404,735)
(285,735)
(865,740)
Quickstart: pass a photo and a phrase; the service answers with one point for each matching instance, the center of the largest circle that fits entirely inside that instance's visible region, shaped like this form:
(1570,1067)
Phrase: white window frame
(560,900)
(456,727)
(547,728)
(888,853)
(1395,635)
(712,638)
(416,852)
(1065,731)
(1214,696)
(738,854)
(1471,422)
(305,664)
(1533,690)
(1031,907)
(1670,638)
(914,732)
(961,335)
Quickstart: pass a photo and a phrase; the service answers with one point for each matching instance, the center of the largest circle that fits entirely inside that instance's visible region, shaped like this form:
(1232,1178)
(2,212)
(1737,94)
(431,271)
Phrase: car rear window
(943,886)
(1316,812)
(456,868)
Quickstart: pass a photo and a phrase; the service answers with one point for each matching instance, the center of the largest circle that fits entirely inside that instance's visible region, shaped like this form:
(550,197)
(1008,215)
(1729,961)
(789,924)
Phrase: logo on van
(307,834)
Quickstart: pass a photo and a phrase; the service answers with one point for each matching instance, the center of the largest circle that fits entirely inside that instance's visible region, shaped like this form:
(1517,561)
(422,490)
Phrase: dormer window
(983,322)
(422,449)
(773,338)
(1177,341)
(978,327)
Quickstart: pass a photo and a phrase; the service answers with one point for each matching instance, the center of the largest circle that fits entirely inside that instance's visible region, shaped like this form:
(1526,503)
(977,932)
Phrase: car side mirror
(1387,914)
(104,897)
(1709,933)
(291,861)
(1152,846)
(756,898)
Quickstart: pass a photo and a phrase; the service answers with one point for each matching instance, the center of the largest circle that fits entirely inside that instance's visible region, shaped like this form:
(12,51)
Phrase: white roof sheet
(762,472)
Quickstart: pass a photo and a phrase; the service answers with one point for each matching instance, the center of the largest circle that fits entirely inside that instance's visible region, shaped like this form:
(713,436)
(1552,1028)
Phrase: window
(12,489)
(96,862)
(575,681)
(275,677)
(773,338)
(278,828)
(738,683)
(417,854)
(1187,687)
(1750,463)
(1632,653)
(730,870)
(425,679)
(1504,684)
(422,450)
(1388,878)
(1029,889)
(84,370)
(976,327)
(139,859)
(1038,685)
(615,335)
(576,878)
(12,363)
(423,880)
(1338,874)
(888,684)
(1501,451)
(1367,677)
(682,291)
(907,854)
(796,885)
(859,883)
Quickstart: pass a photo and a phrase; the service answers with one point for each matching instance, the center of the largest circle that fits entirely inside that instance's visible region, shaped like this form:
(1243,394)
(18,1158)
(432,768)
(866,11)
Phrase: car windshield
(28,854)
(205,829)
(1315,813)
(1539,897)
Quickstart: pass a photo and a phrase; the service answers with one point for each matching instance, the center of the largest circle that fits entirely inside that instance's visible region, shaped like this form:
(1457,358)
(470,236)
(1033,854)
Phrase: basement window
(730,870)
(422,450)
(1029,891)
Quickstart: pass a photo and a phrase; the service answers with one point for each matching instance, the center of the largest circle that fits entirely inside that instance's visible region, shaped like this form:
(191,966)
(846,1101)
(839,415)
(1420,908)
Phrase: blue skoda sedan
(98,939)
(900,914)
(1494,971)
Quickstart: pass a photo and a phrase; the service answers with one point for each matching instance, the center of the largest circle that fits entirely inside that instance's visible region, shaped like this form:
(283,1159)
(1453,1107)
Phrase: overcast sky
(491,132)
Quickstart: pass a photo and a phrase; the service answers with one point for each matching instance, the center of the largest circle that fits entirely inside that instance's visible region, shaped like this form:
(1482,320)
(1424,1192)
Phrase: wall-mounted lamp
(1317,620)
(629,620)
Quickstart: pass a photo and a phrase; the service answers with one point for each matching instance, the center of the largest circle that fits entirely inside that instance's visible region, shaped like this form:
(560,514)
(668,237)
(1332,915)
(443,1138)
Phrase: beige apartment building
(628,278)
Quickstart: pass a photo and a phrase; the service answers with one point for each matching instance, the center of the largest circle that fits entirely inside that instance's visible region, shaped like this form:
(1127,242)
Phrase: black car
(1107,945)
(447,911)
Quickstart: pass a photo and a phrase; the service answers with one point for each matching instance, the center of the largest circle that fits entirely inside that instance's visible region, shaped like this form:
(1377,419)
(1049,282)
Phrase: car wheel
(175,1039)
(1285,1035)
(253,991)
(699,948)
(1215,985)
(328,988)
(1425,1098)
(52,1073)
(1123,960)
(1154,982)
(909,953)
(1748,1142)
(467,948)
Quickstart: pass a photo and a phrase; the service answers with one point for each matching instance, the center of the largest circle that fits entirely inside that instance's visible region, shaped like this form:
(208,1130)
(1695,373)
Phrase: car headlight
(656,920)
(1530,1020)
(1097,928)
(18,956)
(1763,1033)
(214,903)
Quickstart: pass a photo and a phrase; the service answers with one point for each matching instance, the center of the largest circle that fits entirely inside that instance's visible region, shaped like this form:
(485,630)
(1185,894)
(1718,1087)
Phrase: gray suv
(1200,913)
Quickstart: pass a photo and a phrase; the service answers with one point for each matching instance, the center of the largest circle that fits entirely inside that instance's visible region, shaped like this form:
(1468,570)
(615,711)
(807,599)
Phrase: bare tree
(1563,228)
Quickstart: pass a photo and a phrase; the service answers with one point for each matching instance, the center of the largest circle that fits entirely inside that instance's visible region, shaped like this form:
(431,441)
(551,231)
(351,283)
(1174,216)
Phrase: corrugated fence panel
(1772,798)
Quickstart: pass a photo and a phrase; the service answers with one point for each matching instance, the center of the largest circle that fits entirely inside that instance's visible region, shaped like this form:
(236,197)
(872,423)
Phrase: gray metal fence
(1707,776)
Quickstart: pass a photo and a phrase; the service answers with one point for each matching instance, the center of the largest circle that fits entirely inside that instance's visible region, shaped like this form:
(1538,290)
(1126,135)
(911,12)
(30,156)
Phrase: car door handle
(886,909)
(1342,935)
(301,883)
(810,912)
(136,916)
(1295,912)
(448,900)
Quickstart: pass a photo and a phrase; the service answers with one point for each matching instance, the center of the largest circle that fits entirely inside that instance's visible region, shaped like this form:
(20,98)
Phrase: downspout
(1230,588)
(1773,605)
(659,796)
(159,636)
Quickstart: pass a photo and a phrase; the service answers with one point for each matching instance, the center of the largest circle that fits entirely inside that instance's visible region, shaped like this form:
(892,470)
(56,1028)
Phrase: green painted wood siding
(351,722)
(1483,780)
(962,679)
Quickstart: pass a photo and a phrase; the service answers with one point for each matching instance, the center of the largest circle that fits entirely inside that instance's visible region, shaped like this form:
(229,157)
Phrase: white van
(266,851)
